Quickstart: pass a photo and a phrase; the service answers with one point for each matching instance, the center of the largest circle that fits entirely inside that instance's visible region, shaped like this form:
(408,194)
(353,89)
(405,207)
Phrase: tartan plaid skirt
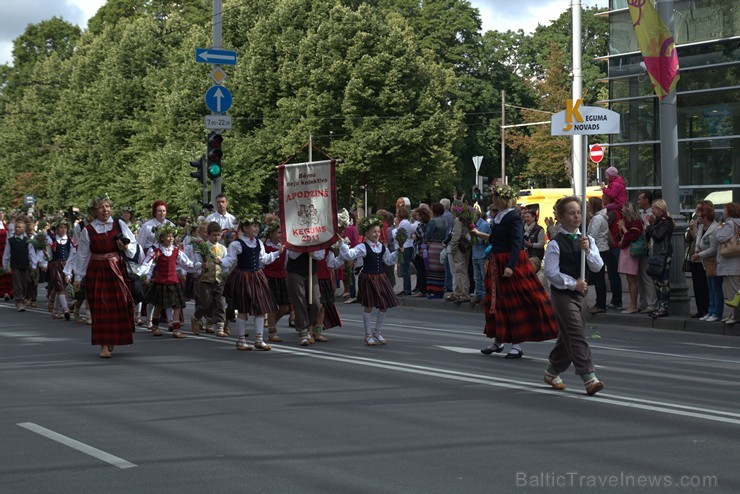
(161,295)
(249,292)
(375,290)
(517,308)
(110,302)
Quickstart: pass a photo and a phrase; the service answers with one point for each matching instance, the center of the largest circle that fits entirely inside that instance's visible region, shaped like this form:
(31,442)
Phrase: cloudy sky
(500,15)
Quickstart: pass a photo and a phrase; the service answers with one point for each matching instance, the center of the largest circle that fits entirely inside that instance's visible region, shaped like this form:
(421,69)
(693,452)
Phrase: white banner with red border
(308,205)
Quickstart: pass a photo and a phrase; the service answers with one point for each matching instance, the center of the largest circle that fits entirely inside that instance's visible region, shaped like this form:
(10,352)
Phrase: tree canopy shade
(403,92)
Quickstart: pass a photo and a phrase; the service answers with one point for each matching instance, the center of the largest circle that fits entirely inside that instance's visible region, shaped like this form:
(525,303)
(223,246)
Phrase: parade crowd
(527,278)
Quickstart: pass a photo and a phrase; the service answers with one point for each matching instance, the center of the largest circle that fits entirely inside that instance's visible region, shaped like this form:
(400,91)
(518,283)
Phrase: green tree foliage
(402,92)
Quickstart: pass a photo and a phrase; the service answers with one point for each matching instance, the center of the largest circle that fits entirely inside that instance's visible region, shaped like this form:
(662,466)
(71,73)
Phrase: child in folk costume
(568,290)
(328,316)
(164,283)
(59,251)
(17,259)
(247,285)
(6,283)
(276,278)
(375,289)
(209,285)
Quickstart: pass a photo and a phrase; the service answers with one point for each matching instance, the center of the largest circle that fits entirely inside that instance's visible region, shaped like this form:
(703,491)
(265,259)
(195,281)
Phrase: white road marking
(81,447)
(458,349)
(602,398)
(711,346)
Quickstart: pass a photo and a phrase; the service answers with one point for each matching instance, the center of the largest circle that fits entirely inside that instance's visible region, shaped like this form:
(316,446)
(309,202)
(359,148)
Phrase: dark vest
(249,258)
(532,251)
(61,252)
(299,265)
(373,263)
(570,260)
(19,253)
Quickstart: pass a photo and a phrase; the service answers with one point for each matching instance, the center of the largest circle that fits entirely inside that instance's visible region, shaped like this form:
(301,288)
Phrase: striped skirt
(375,290)
(435,271)
(56,276)
(517,308)
(326,292)
(249,292)
(279,289)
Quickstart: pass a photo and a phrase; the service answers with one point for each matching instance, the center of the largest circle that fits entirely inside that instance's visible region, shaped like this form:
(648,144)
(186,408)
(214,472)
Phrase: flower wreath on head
(505,192)
(95,202)
(368,222)
(166,229)
(56,224)
(248,219)
(271,227)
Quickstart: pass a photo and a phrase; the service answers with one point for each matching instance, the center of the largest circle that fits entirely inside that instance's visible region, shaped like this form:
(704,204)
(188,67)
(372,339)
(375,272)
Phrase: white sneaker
(711,319)
(731,321)
(725,319)
(704,318)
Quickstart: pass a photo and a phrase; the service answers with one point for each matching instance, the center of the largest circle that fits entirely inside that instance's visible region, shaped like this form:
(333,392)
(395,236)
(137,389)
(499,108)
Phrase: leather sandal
(221,334)
(178,334)
(104,351)
(261,345)
(555,382)
(242,345)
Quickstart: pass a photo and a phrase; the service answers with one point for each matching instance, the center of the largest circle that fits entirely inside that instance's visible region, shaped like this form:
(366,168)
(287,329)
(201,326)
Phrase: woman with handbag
(705,252)
(631,227)
(101,264)
(728,265)
(693,236)
(659,230)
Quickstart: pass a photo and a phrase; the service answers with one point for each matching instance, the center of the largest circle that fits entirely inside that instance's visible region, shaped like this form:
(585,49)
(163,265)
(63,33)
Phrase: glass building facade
(707,34)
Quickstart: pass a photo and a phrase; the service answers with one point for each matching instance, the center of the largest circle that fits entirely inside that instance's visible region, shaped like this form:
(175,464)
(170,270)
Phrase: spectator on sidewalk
(729,267)
(631,228)
(612,261)
(598,229)
(705,251)
(659,231)
(479,260)
(693,238)
(646,301)
(435,236)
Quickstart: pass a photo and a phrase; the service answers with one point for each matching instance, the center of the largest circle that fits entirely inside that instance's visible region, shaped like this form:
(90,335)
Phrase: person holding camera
(101,264)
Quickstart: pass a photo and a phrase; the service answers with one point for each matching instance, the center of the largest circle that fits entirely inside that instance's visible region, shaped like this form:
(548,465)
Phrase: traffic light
(215,153)
(198,165)
(484,186)
(476,193)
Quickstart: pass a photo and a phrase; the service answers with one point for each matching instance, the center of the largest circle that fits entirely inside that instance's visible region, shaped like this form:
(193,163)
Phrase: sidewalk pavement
(611,317)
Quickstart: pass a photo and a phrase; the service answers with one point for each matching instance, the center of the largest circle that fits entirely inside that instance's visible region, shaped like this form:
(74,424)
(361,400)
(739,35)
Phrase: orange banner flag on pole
(656,44)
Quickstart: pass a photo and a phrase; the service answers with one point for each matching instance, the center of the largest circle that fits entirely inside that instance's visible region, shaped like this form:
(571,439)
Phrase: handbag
(656,266)
(135,286)
(731,248)
(639,247)
(710,266)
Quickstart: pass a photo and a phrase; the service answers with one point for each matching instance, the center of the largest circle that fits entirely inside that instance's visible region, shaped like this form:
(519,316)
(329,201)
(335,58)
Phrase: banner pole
(310,260)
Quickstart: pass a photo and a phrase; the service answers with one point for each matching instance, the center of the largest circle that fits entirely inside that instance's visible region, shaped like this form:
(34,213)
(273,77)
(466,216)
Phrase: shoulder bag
(656,265)
(731,248)
(639,247)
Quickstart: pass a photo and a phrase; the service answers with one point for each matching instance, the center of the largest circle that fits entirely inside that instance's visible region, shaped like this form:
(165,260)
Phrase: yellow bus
(542,201)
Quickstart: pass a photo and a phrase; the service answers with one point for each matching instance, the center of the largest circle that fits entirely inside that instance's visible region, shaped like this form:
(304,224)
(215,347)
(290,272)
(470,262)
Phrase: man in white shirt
(221,216)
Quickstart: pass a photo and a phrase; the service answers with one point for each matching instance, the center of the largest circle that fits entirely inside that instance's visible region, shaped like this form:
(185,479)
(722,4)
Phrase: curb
(616,317)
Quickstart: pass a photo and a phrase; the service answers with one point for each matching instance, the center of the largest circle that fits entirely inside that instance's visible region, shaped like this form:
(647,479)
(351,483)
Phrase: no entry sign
(596,153)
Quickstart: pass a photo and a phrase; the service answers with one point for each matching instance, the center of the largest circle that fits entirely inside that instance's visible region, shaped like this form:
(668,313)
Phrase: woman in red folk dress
(100,262)
(517,307)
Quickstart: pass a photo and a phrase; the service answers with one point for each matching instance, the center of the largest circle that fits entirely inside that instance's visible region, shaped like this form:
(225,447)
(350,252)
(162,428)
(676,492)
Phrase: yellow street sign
(571,111)
(218,75)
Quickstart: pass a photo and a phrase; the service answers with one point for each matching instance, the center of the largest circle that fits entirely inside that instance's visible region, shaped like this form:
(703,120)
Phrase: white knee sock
(366,322)
(379,320)
(259,326)
(169,311)
(516,346)
(241,327)
(62,302)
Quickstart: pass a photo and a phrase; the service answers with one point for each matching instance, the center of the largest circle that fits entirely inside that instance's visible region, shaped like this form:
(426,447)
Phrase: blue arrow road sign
(223,57)
(218,99)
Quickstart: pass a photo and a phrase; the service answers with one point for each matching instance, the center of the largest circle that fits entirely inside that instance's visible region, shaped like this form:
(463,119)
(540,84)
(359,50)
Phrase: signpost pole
(217,20)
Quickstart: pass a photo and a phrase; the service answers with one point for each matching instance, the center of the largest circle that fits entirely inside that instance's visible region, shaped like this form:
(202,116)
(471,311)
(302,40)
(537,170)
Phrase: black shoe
(514,354)
(658,314)
(488,350)
(698,315)
(614,306)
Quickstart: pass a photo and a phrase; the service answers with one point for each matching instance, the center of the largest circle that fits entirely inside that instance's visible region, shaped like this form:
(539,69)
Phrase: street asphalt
(427,413)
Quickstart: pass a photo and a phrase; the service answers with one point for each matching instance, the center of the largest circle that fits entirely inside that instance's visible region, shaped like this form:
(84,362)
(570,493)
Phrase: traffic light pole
(217,22)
